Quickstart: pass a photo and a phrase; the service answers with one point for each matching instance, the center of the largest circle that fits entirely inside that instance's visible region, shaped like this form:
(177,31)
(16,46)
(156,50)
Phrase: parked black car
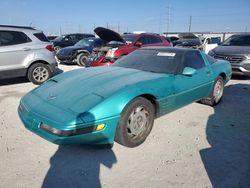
(69,40)
(235,49)
(51,37)
(188,40)
(79,52)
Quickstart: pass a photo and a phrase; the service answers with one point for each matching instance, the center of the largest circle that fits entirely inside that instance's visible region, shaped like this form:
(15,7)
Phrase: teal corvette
(120,102)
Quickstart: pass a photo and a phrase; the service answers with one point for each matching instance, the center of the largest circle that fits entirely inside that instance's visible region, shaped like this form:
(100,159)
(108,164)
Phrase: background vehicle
(69,40)
(188,40)
(128,43)
(209,43)
(25,51)
(51,37)
(80,52)
(236,49)
(98,105)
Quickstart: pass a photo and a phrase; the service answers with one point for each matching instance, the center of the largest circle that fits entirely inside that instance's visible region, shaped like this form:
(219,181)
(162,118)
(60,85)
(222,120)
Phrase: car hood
(108,35)
(80,90)
(232,50)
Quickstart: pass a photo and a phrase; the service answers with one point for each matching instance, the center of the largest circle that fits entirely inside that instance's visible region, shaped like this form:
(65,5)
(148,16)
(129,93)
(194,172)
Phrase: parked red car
(122,45)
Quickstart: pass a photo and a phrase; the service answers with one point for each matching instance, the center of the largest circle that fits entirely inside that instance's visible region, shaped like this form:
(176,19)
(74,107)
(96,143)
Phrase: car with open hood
(120,102)
(125,44)
(236,49)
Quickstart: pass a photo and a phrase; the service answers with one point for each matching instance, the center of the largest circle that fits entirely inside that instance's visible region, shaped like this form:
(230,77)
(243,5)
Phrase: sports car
(119,103)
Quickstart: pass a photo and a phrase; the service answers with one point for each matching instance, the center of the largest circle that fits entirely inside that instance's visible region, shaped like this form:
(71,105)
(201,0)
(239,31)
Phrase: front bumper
(69,134)
(69,59)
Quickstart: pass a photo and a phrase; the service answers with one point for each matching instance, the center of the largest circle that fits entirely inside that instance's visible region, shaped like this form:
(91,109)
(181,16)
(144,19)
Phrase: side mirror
(138,44)
(188,71)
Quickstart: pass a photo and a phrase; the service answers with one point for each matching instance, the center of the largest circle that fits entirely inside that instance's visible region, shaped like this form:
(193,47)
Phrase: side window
(79,37)
(210,59)
(154,39)
(73,38)
(194,60)
(8,38)
(143,40)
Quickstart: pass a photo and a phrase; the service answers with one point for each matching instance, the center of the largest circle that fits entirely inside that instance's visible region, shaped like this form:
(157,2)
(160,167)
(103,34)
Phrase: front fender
(83,51)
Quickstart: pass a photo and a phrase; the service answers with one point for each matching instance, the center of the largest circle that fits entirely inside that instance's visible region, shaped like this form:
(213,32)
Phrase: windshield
(237,40)
(128,38)
(85,42)
(152,60)
(59,38)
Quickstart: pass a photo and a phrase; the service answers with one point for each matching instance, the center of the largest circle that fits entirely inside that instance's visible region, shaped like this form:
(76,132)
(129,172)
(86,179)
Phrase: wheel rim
(218,90)
(83,60)
(138,122)
(40,74)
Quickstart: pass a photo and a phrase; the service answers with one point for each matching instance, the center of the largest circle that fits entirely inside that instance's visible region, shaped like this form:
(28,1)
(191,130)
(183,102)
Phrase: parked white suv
(25,51)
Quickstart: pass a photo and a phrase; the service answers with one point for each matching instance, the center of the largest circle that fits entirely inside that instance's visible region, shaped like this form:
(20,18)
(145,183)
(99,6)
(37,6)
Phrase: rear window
(41,37)
(8,38)
(152,60)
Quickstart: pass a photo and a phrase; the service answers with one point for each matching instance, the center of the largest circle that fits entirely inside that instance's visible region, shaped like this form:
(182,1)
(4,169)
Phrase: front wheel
(135,123)
(38,73)
(216,94)
(82,60)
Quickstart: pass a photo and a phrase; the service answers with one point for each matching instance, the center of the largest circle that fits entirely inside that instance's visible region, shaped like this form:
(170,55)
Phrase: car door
(14,48)
(190,88)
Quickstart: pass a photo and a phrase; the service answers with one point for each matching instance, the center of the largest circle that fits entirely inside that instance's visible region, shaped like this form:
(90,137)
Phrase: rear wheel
(135,123)
(39,73)
(216,94)
(82,59)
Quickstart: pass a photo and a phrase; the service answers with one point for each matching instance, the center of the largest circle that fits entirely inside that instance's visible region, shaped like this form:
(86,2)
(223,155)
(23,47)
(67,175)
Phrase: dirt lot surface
(196,146)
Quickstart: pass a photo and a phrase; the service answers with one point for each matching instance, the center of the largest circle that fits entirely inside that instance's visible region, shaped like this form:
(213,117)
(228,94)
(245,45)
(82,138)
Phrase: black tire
(82,59)
(135,113)
(215,96)
(38,73)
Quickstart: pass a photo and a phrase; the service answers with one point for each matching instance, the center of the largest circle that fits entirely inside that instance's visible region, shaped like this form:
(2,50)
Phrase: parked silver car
(25,51)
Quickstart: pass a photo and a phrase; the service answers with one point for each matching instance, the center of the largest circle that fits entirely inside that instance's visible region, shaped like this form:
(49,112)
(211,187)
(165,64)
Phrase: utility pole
(246,29)
(168,18)
(190,23)
(107,25)
(118,27)
(60,31)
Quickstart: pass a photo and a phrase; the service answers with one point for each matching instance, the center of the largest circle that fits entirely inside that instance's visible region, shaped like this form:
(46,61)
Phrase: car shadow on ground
(78,166)
(227,161)
(21,80)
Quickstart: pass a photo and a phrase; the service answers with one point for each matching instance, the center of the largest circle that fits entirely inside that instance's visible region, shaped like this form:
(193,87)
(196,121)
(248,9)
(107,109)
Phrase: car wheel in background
(39,73)
(135,123)
(216,94)
(82,59)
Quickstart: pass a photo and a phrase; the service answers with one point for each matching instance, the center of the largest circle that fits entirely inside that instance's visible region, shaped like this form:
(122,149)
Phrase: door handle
(26,49)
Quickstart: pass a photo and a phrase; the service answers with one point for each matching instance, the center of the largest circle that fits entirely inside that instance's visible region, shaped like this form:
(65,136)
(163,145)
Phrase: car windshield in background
(84,43)
(237,40)
(128,38)
(159,61)
(59,38)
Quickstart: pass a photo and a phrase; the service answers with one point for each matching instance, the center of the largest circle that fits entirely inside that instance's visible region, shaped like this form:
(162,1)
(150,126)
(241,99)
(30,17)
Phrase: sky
(55,17)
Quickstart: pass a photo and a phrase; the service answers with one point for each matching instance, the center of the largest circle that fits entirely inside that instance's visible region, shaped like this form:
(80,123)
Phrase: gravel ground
(196,146)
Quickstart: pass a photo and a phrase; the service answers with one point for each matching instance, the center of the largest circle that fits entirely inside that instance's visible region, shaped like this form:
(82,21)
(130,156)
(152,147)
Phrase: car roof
(242,34)
(19,28)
